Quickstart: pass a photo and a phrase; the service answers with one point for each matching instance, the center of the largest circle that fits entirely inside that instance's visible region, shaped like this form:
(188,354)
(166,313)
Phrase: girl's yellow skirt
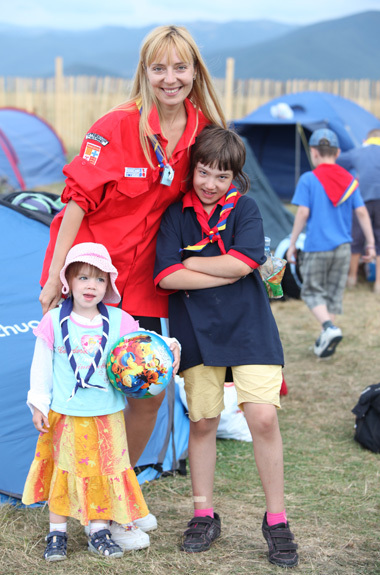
(81,467)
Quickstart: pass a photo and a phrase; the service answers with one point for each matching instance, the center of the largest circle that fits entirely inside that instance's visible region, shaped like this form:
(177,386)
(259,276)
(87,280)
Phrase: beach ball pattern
(140,364)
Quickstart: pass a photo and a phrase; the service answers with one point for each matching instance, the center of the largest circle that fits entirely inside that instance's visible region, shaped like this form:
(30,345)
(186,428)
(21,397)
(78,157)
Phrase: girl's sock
(58,527)
(274,518)
(98,526)
(204,512)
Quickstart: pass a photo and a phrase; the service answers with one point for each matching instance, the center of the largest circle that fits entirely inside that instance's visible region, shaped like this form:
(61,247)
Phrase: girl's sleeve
(45,330)
(248,243)
(128,324)
(41,377)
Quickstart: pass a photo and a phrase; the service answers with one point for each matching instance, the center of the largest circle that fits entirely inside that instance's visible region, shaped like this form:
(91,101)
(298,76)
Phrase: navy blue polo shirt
(227,325)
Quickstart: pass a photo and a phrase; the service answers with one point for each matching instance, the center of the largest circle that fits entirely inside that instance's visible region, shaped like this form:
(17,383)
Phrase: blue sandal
(102,543)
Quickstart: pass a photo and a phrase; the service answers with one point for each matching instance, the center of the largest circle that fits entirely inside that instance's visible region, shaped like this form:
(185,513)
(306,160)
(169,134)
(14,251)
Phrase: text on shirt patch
(91,153)
(97,138)
(135,172)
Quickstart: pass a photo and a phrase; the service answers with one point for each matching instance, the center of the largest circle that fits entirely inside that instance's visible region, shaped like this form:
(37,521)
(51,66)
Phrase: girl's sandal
(100,542)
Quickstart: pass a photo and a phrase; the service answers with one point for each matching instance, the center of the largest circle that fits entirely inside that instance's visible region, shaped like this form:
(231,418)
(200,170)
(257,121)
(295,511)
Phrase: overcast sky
(83,14)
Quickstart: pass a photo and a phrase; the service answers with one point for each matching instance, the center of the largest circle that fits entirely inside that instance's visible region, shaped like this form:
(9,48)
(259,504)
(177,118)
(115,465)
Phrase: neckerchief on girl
(64,314)
(337,182)
(212,234)
(166,171)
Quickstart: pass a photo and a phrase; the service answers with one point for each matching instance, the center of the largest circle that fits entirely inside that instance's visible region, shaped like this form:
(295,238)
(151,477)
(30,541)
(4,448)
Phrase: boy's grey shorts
(324,277)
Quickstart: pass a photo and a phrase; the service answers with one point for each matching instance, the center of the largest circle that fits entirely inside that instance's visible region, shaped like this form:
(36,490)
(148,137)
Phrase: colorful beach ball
(140,364)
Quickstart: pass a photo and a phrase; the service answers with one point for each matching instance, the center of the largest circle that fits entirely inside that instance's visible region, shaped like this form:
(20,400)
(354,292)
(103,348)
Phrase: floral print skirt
(81,467)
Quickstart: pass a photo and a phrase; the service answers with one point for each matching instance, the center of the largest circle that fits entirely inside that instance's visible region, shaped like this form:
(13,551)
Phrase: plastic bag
(272,272)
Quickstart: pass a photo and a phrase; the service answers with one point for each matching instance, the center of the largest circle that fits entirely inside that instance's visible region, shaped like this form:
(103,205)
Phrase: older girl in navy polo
(208,250)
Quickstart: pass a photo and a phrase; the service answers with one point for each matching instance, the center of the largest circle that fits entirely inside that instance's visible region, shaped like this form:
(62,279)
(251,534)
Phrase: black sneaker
(282,549)
(102,543)
(56,546)
(201,532)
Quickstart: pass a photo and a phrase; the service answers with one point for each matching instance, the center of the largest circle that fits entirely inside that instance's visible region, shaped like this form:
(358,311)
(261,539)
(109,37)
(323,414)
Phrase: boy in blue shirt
(326,198)
(208,250)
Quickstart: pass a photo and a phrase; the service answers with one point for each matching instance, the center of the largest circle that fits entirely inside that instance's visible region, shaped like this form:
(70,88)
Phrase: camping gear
(24,235)
(367,411)
(140,364)
(31,152)
(279,139)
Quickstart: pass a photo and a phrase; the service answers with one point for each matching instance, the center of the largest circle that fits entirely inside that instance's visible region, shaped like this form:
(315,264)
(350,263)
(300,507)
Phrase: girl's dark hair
(223,149)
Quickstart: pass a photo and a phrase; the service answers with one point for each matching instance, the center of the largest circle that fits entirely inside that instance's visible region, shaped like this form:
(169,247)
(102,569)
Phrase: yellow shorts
(204,386)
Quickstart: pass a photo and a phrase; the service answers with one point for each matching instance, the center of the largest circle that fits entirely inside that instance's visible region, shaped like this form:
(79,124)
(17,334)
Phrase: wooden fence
(71,104)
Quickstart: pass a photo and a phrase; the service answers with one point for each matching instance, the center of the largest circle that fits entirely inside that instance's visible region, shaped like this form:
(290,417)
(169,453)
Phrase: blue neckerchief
(64,314)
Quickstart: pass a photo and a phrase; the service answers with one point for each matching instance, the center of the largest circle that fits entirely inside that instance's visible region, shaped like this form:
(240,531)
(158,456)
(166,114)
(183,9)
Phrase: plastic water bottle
(267,247)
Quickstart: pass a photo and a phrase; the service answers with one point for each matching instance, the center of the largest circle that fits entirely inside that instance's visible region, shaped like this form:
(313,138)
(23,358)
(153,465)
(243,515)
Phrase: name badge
(167,175)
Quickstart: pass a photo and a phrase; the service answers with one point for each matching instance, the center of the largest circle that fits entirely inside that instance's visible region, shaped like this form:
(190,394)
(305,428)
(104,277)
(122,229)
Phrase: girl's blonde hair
(158,42)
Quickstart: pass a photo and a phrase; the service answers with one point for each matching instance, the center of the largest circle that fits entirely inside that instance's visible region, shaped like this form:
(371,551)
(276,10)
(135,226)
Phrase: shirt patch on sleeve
(135,172)
(97,138)
(91,153)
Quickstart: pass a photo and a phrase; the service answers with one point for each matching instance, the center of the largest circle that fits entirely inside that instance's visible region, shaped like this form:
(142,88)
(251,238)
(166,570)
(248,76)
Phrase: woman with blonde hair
(132,165)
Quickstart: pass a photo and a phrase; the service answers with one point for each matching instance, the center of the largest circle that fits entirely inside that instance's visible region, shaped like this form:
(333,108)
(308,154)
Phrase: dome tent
(279,130)
(31,152)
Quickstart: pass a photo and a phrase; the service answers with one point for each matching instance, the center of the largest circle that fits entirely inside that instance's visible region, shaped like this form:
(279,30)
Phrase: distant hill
(343,48)
(113,50)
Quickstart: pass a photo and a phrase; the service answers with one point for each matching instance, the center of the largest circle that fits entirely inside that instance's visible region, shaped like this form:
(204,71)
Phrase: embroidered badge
(91,153)
(135,172)
(97,138)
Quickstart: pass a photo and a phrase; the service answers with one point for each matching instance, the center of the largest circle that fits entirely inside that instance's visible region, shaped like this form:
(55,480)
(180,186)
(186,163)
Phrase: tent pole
(297,166)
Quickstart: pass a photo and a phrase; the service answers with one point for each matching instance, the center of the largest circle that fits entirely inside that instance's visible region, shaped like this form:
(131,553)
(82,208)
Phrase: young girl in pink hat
(81,464)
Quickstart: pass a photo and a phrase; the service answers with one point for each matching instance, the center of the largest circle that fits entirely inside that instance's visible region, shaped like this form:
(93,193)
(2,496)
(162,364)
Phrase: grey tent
(278,221)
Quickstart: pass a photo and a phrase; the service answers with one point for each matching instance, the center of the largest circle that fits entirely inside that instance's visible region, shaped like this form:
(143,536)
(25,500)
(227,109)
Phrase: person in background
(132,165)
(208,250)
(365,162)
(326,198)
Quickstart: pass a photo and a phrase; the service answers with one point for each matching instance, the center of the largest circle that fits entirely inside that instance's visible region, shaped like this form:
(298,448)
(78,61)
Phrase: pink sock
(204,512)
(274,518)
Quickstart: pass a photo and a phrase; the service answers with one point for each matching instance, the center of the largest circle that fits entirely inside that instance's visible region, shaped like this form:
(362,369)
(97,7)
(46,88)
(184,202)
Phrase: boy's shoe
(327,341)
(56,546)
(147,523)
(129,537)
(282,549)
(102,543)
(201,532)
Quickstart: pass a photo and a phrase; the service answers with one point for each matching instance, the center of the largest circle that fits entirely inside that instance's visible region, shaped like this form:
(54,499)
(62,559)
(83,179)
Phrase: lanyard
(166,171)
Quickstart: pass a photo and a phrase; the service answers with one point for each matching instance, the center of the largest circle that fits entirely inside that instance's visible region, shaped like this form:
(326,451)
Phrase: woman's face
(171,78)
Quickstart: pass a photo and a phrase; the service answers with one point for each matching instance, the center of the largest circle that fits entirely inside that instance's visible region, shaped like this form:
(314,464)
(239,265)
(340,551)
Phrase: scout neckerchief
(66,309)
(166,171)
(212,234)
(372,142)
(336,181)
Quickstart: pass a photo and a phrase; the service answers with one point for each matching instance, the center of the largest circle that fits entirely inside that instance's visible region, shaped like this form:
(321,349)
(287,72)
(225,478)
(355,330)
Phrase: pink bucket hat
(95,255)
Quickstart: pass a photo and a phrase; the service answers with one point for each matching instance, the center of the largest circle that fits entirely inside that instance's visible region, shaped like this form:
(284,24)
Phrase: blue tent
(24,235)
(31,153)
(279,130)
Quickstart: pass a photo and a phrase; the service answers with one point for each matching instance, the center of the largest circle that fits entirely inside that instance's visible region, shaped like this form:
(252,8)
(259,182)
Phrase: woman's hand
(174,347)
(50,295)
(40,421)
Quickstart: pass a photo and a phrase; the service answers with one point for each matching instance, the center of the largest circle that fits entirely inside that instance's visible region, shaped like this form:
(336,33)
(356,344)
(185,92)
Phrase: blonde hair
(203,96)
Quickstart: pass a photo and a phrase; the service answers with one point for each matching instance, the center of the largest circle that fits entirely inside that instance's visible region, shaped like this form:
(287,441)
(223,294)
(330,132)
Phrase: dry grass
(332,484)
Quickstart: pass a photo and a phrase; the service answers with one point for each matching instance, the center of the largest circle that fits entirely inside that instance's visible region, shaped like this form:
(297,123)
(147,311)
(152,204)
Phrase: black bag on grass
(367,411)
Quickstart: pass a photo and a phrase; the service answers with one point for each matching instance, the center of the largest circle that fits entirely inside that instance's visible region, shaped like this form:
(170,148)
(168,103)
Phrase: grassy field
(332,484)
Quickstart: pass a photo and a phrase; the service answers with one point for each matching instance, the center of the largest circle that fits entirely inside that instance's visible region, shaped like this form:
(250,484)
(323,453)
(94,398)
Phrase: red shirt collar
(190,198)
(194,117)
